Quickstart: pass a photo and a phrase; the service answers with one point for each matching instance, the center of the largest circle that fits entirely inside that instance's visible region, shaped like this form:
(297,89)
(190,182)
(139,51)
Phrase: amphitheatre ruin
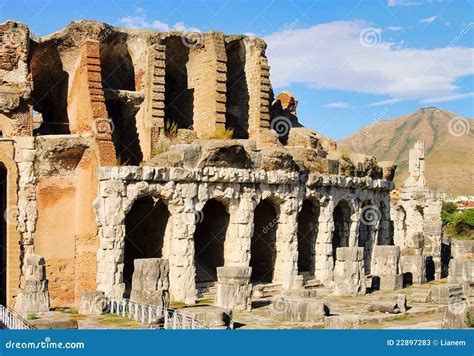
(159,168)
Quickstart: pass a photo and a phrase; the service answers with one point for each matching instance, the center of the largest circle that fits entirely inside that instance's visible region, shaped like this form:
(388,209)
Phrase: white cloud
(428,20)
(331,56)
(403,3)
(140,20)
(442,99)
(394,28)
(385,102)
(337,105)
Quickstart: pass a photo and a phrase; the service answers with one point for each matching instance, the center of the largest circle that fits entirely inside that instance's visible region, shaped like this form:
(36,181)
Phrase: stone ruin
(153,165)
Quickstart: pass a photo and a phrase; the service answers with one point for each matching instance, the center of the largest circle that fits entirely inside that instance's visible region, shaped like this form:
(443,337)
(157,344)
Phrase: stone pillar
(286,263)
(324,265)
(349,273)
(461,266)
(154,118)
(239,232)
(233,288)
(181,259)
(385,268)
(257,72)
(207,74)
(150,282)
(34,295)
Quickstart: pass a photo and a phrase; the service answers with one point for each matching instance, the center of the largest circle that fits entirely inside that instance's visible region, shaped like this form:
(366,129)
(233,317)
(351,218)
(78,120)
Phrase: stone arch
(342,226)
(237,104)
(179,95)
(145,232)
(10,242)
(263,243)
(366,233)
(209,240)
(308,222)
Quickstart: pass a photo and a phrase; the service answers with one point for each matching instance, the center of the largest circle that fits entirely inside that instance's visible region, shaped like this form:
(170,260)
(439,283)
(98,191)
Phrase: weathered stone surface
(213,317)
(447,294)
(34,296)
(233,288)
(384,306)
(298,309)
(399,299)
(349,272)
(458,315)
(92,303)
(150,282)
(342,322)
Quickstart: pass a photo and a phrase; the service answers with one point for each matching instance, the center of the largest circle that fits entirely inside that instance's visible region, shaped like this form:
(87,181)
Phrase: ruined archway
(179,95)
(118,74)
(145,228)
(307,232)
(237,107)
(263,244)
(3,235)
(342,226)
(50,89)
(209,239)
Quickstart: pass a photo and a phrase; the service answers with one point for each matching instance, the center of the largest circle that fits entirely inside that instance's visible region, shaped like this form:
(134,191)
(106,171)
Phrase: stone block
(461,271)
(451,293)
(298,309)
(399,299)
(92,303)
(385,260)
(462,249)
(413,267)
(350,253)
(384,306)
(342,322)
(458,315)
(212,316)
(233,288)
(150,282)
(388,282)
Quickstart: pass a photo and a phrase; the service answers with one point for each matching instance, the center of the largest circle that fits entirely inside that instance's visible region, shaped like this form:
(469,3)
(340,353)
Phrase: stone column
(181,259)
(324,265)
(239,232)
(286,263)
(349,273)
(233,288)
(34,296)
(413,263)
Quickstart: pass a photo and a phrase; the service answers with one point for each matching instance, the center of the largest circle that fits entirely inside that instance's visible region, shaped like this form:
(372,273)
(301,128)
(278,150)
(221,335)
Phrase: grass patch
(176,305)
(32,316)
(399,318)
(115,320)
(205,301)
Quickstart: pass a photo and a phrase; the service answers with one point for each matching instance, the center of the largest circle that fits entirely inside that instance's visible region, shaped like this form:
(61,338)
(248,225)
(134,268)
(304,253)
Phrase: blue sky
(349,63)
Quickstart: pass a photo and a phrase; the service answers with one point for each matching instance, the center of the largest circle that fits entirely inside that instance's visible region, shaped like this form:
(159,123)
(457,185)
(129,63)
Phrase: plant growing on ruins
(171,129)
(32,316)
(226,134)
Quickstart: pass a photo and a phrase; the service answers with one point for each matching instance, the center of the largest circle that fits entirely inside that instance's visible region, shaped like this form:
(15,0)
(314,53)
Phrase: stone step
(312,283)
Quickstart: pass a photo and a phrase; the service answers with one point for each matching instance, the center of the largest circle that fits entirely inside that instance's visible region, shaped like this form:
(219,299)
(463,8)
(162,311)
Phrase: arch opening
(145,228)
(209,239)
(179,95)
(237,107)
(263,243)
(342,227)
(307,233)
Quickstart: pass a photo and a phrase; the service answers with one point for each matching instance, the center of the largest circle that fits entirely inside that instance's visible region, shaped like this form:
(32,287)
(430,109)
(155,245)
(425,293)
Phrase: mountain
(449,147)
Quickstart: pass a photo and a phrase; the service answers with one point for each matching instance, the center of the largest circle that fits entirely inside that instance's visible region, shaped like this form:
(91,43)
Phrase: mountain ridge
(448,138)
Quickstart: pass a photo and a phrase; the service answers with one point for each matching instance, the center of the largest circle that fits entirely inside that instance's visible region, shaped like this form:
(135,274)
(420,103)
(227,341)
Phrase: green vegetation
(458,224)
(226,134)
(115,320)
(32,316)
(171,129)
(470,320)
